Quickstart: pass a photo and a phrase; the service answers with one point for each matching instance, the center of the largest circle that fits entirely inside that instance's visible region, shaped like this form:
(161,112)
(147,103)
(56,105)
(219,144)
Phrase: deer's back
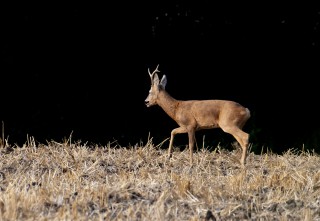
(212,113)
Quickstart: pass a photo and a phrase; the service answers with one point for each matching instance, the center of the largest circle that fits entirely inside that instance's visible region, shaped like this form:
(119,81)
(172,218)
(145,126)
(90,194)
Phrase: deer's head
(156,86)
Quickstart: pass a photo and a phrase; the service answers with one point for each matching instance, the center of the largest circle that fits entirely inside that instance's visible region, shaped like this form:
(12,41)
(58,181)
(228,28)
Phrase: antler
(151,74)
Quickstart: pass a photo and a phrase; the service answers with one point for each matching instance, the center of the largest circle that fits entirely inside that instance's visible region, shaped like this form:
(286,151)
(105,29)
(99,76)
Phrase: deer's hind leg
(242,138)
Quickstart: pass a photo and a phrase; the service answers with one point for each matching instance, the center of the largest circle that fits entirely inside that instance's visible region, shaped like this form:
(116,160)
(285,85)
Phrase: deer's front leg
(179,130)
(191,136)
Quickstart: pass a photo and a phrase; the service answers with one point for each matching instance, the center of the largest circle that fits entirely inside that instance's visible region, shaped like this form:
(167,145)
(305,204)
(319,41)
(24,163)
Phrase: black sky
(82,68)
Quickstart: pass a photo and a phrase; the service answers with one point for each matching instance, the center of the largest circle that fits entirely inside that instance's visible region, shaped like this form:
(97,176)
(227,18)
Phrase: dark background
(81,69)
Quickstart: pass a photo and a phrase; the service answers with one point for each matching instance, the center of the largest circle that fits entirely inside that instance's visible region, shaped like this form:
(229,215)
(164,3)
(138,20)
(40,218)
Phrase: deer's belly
(207,126)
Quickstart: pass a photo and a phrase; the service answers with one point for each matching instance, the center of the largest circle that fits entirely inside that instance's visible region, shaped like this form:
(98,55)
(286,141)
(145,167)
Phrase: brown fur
(194,115)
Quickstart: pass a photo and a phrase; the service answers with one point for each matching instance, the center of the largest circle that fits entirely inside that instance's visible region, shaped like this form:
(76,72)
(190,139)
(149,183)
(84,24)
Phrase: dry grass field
(77,181)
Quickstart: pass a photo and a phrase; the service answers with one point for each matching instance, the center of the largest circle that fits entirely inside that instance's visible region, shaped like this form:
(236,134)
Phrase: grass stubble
(78,181)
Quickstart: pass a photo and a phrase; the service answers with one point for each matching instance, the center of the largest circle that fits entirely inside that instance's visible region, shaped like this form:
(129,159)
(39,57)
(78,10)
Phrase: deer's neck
(168,103)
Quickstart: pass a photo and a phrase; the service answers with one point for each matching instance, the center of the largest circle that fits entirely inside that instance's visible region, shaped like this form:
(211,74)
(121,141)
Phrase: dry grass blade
(77,181)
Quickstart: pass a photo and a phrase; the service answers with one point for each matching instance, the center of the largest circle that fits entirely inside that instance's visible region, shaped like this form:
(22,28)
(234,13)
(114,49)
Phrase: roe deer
(194,115)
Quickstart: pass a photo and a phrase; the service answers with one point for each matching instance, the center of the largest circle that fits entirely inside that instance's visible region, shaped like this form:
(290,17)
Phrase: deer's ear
(155,79)
(163,81)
